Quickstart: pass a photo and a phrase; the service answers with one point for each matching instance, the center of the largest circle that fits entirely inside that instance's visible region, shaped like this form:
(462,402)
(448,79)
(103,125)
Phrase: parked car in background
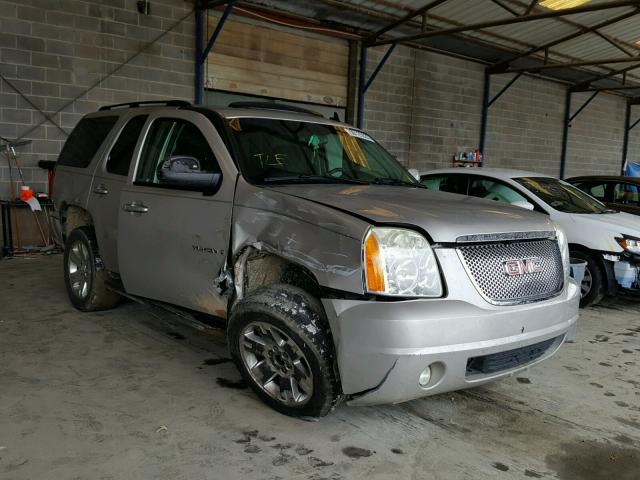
(338,274)
(617,192)
(608,240)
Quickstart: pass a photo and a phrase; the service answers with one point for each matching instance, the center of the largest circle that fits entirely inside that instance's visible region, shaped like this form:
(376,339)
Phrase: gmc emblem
(523,266)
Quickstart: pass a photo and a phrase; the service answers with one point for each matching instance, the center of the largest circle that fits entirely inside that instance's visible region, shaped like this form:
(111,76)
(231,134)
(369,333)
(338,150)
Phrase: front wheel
(84,276)
(593,283)
(280,341)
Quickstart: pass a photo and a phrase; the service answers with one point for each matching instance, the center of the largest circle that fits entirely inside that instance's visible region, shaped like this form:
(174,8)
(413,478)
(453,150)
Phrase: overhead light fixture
(562,4)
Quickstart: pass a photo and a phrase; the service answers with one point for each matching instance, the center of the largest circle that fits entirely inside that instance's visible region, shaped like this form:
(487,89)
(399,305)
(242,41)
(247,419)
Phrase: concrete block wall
(442,115)
(596,136)
(525,125)
(446,109)
(56,52)
(389,100)
(423,106)
(633,154)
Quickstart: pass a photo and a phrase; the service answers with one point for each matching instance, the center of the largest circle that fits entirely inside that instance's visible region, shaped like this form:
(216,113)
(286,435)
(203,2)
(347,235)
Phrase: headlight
(564,250)
(400,262)
(630,244)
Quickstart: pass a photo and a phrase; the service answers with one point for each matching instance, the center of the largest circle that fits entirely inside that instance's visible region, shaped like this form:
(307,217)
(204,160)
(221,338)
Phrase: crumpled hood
(444,216)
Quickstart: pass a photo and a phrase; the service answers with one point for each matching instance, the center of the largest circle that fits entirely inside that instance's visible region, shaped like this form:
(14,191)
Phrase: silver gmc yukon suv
(338,274)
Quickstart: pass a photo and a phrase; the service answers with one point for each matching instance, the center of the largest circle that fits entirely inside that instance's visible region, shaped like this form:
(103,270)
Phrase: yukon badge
(522,266)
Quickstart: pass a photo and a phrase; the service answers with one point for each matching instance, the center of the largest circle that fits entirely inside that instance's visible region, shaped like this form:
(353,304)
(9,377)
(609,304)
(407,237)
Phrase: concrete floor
(131,393)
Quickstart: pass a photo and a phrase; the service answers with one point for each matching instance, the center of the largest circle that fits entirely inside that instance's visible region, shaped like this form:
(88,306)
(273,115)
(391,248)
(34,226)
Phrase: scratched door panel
(175,248)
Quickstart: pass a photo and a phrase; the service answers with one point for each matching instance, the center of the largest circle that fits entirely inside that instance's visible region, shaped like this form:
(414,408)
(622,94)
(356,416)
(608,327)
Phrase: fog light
(424,377)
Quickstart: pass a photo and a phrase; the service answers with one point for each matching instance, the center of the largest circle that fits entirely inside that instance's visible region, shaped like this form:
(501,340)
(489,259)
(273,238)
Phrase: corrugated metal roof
(490,44)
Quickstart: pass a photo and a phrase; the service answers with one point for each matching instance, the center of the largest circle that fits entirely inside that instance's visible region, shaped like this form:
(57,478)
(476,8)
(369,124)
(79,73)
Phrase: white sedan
(609,241)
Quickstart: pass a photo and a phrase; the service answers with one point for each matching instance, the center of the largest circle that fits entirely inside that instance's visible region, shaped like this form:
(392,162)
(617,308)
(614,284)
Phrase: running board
(185,317)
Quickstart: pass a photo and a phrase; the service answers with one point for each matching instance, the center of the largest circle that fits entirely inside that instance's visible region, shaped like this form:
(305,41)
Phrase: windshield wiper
(395,181)
(304,178)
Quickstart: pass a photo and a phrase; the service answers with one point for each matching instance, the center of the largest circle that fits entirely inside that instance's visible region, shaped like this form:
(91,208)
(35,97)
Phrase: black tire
(88,290)
(593,285)
(300,317)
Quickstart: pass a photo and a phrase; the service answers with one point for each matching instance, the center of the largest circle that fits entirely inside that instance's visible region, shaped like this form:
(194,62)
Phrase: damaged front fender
(322,240)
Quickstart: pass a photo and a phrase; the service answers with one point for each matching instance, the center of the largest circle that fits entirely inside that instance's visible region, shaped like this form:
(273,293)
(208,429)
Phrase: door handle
(135,207)
(101,190)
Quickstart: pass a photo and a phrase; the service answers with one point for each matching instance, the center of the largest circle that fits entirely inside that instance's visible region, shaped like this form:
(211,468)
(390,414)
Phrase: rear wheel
(592,288)
(280,341)
(84,275)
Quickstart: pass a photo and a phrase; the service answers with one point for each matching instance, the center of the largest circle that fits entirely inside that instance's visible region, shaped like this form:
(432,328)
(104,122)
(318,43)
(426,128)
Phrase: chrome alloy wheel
(587,283)
(276,363)
(79,267)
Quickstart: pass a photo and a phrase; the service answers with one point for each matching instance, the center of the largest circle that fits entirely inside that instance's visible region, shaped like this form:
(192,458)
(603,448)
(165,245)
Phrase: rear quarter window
(85,140)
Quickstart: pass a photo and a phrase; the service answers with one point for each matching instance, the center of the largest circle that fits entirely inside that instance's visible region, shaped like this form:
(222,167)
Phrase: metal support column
(568,118)
(625,140)
(485,111)
(487,102)
(202,54)
(363,83)
(199,65)
(565,132)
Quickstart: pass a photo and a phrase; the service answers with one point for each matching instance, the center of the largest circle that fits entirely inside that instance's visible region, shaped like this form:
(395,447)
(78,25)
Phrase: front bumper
(383,347)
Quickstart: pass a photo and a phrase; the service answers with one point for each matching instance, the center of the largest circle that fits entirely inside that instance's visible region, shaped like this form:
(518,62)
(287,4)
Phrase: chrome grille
(486,265)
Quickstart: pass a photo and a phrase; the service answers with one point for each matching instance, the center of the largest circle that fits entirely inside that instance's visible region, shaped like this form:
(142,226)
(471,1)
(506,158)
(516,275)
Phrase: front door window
(175,154)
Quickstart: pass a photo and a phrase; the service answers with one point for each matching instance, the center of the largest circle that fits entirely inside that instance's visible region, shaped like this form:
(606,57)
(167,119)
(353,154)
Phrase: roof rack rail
(168,103)
(273,106)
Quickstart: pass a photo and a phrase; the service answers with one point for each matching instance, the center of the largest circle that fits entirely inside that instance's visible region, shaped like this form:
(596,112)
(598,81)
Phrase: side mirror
(415,173)
(184,171)
(523,204)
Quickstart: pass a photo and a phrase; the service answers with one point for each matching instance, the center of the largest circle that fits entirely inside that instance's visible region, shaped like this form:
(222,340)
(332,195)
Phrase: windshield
(562,196)
(287,151)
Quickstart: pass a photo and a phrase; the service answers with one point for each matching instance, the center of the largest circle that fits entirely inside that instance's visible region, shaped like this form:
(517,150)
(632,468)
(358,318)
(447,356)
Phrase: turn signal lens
(630,244)
(373,261)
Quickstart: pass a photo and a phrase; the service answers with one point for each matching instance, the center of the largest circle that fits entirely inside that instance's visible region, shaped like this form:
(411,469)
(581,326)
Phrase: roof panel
(491,44)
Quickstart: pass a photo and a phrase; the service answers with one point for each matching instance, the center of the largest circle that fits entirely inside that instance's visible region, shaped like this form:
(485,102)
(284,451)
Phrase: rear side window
(493,190)
(85,140)
(122,151)
(446,183)
(596,190)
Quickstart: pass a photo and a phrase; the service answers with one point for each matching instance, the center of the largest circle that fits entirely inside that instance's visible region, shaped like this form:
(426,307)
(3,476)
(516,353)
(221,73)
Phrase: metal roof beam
(586,63)
(405,19)
(624,87)
(582,86)
(611,41)
(504,89)
(503,64)
(510,21)
(506,7)
(583,106)
(531,6)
